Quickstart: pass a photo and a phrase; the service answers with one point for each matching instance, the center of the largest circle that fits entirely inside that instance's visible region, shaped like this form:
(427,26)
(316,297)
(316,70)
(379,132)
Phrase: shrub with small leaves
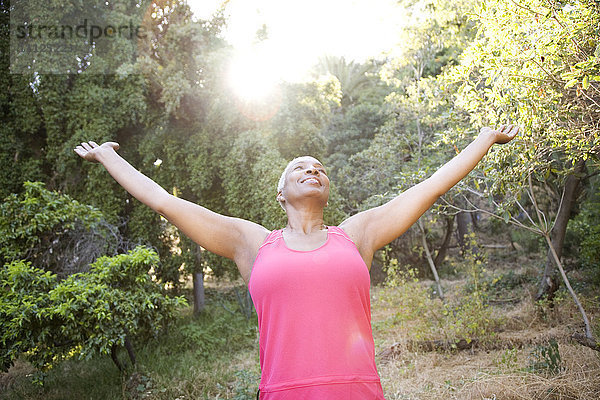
(25,314)
(424,316)
(47,320)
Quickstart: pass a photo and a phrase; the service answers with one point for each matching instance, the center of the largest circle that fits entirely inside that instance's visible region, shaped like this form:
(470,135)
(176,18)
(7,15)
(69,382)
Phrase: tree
(406,146)
(535,63)
(353,77)
(436,34)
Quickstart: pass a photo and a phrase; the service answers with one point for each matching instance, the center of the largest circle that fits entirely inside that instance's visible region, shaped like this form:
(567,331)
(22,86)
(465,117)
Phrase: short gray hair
(281,183)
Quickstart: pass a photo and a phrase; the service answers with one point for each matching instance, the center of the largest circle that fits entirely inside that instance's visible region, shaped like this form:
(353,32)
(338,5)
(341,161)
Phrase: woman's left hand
(503,134)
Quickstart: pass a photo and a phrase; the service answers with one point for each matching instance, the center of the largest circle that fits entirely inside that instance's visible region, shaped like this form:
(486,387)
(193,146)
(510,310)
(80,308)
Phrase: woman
(309,282)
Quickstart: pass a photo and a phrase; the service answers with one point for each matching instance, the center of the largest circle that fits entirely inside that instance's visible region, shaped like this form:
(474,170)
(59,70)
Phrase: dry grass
(479,375)
(498,370)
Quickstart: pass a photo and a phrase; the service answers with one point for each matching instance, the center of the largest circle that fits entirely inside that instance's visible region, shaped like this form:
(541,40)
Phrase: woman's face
(306,179)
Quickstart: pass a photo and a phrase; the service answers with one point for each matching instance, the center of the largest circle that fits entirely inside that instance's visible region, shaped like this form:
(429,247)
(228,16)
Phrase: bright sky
(299,32)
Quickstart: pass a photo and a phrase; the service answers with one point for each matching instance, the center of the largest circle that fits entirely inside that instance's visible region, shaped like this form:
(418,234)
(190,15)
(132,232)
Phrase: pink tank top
(314,320)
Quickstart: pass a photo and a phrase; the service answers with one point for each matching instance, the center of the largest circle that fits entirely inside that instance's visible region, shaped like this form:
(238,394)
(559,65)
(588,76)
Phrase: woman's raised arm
(374,228)
(230,237)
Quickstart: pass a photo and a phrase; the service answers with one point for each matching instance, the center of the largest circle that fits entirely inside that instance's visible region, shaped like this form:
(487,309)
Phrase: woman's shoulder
(337,230)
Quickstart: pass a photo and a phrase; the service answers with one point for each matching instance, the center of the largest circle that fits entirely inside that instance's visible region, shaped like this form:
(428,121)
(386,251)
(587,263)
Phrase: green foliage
(508,360)
(25,301)
(435,35)
(250,177)
(347,134)
(18,161)
(355,79)
(515,71)
(424,316)
(35,220)
(47,115)
(168,366)
(473,315)
(409,143)
(583,238)
(353,130)
(214,331)
(296,128)
(63,383)
(86,314)
(470,319)
(246,385)
(546,358)
(530,242)
(509,286)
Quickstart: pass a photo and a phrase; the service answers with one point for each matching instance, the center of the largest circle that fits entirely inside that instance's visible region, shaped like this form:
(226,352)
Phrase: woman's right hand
(91,150)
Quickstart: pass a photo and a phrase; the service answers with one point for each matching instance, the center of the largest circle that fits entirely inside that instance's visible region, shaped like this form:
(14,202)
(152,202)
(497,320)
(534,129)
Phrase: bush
(426,317)
(531,243)
(48,320)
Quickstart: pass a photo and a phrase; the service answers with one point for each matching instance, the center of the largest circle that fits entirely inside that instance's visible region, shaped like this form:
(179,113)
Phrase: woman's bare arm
(230,237)
(374,228)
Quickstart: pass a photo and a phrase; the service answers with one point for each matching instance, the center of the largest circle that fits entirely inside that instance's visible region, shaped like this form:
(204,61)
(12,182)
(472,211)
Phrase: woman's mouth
(311,180)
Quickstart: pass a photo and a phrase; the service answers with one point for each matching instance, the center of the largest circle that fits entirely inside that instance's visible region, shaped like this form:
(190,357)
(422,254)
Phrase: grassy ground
(527,354)
(519,363)
(523,351)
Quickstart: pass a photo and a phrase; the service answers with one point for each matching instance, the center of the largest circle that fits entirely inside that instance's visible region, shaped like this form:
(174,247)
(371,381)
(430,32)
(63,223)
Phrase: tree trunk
(378,275)
(441,253)
(198,280)
(550,281)
(586,341)
(113,356)
(430,261)
(130,351)
(462,228)
(474,219)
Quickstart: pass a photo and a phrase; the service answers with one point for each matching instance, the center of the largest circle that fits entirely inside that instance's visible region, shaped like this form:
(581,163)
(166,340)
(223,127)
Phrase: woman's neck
(304,222)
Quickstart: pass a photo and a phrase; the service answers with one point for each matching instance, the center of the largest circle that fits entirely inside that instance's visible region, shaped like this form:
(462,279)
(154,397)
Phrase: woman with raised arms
(309,282)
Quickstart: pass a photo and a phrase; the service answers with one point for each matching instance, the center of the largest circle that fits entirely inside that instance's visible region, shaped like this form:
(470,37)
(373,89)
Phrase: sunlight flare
(296,35)
(254,73)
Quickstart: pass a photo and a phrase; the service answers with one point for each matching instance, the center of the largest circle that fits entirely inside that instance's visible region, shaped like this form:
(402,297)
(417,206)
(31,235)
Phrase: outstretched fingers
(84,150)
(513,131)
(87,146)
(507,133)
(80,150)
(91,150)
